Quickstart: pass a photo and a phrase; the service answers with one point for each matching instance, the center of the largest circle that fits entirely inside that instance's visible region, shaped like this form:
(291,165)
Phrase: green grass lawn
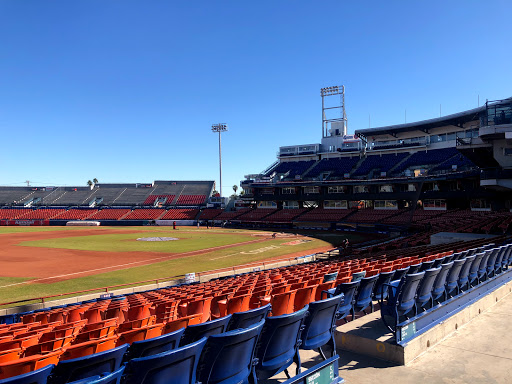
(188,241)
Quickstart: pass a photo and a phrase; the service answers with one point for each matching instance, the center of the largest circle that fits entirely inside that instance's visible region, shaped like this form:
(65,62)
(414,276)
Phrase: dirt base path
(45,265)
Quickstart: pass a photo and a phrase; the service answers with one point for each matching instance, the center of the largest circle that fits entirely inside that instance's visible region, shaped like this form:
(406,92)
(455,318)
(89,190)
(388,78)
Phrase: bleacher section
(326,215)
(285,215)
(76,214)
(144,214)
(15,213)
(426,159)
(83,331)
(210,213)
(122,195)
(370,215)
(230,215)
(336,168)
(43,214)
(168,199)
(191,200)
(256,214)
(291,169)
(180,214)
(110,214)
(378,164)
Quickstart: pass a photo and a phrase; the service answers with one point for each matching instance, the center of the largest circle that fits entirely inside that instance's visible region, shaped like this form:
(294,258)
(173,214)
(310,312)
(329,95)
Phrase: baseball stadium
(407,226)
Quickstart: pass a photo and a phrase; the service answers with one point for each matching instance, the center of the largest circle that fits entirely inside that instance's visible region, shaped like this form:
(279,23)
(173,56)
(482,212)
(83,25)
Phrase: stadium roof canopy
(456,119)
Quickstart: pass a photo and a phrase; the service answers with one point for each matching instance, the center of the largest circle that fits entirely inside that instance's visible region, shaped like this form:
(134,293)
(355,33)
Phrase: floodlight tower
(326,121)
(221,127)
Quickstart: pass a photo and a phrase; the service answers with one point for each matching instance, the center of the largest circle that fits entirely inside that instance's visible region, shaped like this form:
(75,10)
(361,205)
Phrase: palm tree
(89,183)
(95,181)
(235,188)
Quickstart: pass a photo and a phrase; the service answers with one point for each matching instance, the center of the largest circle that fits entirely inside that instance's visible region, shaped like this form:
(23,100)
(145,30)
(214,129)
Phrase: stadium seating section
(122,332)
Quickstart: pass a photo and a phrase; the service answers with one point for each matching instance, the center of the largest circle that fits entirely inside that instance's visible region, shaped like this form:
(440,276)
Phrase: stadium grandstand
(449,174)
(400,175)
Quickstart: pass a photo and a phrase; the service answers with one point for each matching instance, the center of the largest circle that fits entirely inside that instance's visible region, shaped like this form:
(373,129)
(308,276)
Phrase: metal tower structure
(332,123)
(222,127)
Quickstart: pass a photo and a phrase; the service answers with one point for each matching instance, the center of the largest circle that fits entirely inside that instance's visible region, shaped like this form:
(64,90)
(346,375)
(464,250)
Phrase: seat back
(399,273)
(356,276)
(438,288)
(453,277)
(475,265)
(159,344)
(112,378)
(491,262)
(35,377)
(228,357)
(303,296)
(28,364)
(282,303)
(406,292)
(482,269)
(319,325)
(364,294)
(248,318)
(330,277)
(383,278)
(464,271)
(83,367)
(179,364)
(424,293)
(195,332)
(349,291)
(279,342)
(415,268)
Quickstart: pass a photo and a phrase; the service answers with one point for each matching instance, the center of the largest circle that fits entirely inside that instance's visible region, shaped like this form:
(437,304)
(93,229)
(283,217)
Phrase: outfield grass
(188,241)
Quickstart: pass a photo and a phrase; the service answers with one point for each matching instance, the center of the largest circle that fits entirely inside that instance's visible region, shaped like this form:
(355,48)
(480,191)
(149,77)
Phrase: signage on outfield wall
(24,223)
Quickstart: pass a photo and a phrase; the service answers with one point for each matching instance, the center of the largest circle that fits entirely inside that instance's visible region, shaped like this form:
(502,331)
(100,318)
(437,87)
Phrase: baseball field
(43,261)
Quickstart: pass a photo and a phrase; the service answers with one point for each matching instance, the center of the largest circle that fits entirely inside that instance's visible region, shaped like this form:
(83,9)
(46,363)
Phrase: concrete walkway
(478,352)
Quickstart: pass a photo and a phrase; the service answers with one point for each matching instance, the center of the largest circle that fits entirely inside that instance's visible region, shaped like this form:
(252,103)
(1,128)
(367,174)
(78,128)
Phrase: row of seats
(165,310)
(426,286)
(232,349)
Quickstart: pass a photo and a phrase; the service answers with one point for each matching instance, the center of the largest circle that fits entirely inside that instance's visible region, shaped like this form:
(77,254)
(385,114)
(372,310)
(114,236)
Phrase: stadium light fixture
(221,127)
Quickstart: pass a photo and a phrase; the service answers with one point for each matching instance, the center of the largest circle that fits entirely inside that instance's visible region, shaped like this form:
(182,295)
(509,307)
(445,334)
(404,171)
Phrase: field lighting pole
(221,127)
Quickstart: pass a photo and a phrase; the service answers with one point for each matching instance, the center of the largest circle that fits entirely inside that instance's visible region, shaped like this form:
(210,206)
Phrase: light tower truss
(334,117)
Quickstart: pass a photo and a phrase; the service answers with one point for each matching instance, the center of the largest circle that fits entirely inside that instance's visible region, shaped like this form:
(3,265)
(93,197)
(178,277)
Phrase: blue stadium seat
(320,324)
(384,278)
(248,318)
(399,273)
(228,358)
(97,364)
(452,280)
(155,345)
(349,293)
(35,377)
(473,271)
(401,299)
(111,378)
(439,289)
(482,269)
(279,343)
(358,275)
(195,332)
(424,293)
(463,280)
(491,262)
(364,295)
(177,367)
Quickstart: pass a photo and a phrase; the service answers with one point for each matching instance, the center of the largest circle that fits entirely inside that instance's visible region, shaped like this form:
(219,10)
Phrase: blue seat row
(419,289)
(207,352)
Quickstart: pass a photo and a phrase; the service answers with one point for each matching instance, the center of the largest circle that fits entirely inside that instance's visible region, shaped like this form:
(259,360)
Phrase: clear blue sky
(126,91)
